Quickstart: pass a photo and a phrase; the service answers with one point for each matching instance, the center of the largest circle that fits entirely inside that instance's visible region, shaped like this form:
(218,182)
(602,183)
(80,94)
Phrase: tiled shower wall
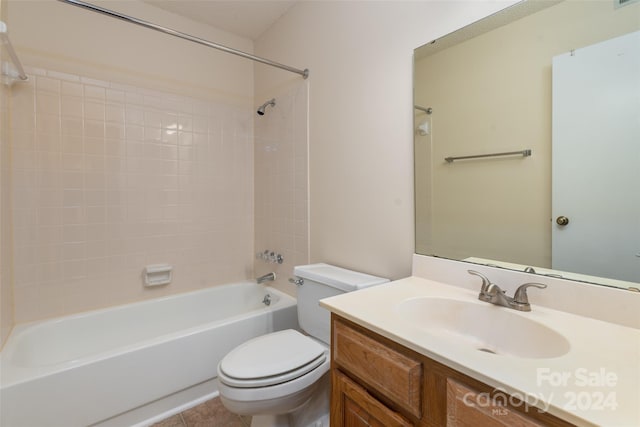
(108,178)
(281,184)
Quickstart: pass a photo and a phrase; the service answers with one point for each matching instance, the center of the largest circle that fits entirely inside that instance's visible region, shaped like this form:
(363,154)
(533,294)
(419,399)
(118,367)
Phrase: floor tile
(175,421)
(211,414)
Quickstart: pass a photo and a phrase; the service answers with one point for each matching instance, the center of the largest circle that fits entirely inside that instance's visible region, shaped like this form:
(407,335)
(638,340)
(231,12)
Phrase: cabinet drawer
(352,406)
(392,374)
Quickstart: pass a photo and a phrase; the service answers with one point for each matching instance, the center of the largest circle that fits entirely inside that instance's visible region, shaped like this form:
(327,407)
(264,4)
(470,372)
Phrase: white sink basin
(484,327)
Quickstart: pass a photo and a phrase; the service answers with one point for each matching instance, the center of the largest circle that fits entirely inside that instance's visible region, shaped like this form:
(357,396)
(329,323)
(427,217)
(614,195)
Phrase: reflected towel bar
(523,153)
(427,110)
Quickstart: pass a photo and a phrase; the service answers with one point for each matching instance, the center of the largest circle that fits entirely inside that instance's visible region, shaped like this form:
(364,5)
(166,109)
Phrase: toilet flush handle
(298,281)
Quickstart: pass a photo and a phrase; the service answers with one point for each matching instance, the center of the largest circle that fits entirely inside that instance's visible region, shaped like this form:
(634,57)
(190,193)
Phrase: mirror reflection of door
(596,146)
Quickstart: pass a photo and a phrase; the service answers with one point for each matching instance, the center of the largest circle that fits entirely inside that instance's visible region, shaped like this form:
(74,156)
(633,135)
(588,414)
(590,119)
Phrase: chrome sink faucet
(491,293)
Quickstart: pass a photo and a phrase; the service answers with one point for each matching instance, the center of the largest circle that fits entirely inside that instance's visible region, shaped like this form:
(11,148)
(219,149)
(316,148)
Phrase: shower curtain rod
(304,73)
(12,53)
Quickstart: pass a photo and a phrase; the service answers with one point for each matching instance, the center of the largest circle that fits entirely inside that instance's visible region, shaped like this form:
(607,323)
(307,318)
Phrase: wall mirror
(556,86)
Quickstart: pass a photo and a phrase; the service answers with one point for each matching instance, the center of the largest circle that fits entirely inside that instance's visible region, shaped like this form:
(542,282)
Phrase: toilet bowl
(281,379)
(272,374)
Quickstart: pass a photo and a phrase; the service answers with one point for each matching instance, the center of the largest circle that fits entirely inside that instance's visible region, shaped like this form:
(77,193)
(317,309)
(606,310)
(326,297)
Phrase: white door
(596,159)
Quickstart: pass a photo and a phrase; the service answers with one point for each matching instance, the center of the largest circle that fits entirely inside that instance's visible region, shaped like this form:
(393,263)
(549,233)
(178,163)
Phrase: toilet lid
(271,359)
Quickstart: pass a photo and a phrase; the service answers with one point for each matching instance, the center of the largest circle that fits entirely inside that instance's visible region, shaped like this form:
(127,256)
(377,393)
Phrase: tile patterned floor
(208,414)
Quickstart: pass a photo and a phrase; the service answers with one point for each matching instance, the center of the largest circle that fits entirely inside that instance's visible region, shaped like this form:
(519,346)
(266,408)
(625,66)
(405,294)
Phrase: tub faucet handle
(298,281)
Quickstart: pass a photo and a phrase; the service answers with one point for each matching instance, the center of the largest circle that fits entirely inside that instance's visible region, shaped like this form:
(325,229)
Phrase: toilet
(282,378)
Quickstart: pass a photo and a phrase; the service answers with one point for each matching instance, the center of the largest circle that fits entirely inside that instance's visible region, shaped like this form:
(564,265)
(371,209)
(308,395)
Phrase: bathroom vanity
(424,351)
(377,382)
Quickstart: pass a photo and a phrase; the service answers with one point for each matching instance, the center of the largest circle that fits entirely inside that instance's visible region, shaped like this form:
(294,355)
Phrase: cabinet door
(380,367)
(467,407)
(352,406)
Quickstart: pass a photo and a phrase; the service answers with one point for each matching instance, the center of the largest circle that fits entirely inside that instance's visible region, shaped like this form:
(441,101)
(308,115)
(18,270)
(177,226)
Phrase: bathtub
(85,369)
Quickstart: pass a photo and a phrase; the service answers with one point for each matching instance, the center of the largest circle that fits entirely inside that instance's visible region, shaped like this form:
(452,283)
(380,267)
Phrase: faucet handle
(485,281)
(520,297)
(488,289)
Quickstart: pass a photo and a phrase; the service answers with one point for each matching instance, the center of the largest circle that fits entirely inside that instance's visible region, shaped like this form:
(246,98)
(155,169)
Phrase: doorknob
(562,220)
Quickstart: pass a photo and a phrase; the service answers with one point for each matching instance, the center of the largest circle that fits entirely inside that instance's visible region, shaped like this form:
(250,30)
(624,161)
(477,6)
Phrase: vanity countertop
(597,382)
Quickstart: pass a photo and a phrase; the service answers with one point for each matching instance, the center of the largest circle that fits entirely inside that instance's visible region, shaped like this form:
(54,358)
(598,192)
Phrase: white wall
(360,109)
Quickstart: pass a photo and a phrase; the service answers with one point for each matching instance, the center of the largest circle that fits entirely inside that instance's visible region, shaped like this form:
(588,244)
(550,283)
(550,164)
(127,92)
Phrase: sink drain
(487,350)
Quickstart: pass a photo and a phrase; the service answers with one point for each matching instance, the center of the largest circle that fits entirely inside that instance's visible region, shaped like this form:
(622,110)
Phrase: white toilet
(281,378)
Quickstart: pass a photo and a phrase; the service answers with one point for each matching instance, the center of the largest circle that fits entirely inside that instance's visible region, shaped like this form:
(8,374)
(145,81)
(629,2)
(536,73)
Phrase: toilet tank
(323,281)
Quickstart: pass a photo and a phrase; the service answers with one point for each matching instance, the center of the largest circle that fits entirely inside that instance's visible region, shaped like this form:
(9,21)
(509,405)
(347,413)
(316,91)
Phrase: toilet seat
(271,359)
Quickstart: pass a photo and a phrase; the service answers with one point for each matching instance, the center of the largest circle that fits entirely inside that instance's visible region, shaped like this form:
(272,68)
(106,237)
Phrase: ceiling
(246,18)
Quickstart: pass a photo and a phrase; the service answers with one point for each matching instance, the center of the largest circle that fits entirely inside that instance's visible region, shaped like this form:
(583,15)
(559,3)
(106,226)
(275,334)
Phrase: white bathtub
(83,369)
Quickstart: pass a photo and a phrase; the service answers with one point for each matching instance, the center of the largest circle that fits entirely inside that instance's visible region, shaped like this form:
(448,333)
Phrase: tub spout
(266,278)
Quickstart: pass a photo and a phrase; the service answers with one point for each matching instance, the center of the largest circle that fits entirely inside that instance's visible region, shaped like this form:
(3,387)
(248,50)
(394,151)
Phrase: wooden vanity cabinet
(378,382)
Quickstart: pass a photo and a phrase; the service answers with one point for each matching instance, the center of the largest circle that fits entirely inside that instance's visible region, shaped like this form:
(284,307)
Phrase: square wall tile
(112,177)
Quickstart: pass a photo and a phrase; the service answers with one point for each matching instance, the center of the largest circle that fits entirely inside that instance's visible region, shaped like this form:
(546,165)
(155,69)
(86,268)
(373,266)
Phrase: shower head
(261,108)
